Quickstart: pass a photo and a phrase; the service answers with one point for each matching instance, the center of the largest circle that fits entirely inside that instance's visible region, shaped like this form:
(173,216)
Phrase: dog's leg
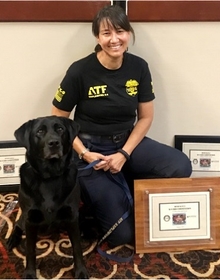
(74,236)
(14,238)
(31,239)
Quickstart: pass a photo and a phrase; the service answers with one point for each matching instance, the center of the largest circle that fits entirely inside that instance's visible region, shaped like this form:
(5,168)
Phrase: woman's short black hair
(114,15)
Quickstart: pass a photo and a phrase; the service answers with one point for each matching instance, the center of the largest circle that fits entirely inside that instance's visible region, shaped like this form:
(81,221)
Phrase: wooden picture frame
(170,11)
(170,187)
(49,11)
(84,11)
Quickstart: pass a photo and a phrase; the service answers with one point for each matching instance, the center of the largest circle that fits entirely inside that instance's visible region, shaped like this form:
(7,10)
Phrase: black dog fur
(49,195)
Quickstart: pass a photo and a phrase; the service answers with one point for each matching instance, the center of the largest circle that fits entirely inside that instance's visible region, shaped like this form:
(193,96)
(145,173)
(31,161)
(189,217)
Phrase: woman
(111,92)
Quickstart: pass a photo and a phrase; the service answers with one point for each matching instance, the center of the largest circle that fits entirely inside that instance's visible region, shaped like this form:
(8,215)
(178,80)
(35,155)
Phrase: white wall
(184,59)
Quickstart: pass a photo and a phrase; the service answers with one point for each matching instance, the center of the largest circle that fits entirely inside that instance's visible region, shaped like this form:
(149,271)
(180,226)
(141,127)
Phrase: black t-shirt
(105,101)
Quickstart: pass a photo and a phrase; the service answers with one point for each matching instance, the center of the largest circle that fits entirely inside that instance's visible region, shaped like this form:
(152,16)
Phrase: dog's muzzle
(53,149)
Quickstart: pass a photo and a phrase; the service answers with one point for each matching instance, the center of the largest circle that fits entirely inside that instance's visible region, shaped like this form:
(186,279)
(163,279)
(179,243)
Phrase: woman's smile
(114,42)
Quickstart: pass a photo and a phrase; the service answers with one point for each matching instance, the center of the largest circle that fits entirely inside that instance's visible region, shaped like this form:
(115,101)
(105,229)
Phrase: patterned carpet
(54,257)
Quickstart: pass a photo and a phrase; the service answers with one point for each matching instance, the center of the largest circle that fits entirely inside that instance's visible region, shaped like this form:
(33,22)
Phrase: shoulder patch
(59,94)
(152,87)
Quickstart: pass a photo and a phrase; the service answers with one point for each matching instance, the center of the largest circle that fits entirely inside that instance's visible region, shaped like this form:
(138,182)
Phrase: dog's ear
(22,134)
(72,126)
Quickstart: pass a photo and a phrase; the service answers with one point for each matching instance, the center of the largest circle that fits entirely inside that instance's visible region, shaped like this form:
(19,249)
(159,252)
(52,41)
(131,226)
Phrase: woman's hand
(115,162)
(92,156)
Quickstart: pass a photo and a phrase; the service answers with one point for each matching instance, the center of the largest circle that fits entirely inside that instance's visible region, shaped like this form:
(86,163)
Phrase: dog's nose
(53,143)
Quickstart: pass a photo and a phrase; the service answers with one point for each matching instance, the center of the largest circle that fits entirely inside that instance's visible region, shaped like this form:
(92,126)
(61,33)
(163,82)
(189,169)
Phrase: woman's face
(114,42)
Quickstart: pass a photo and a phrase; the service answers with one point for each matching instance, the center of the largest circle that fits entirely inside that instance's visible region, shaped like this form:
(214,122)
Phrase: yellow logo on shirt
(97,91)
(152,87)
(59,94)
(131,87)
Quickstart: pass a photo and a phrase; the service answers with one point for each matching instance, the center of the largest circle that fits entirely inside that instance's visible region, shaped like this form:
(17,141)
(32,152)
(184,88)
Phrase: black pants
(150,159)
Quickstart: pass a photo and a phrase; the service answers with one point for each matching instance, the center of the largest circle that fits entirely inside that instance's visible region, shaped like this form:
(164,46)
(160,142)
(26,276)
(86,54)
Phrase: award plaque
(177,214)
(203,152)
(12,156)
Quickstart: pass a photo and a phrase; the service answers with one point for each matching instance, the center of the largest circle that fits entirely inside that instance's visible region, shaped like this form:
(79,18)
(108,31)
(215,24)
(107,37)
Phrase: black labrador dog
(49,195)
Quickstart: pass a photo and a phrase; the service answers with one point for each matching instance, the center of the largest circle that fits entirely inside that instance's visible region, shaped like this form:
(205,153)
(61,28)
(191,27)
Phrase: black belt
(116,138)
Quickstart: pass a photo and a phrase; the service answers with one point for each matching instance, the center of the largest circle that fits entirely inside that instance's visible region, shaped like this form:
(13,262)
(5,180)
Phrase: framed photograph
(12,156)
(203,152)
(176,214)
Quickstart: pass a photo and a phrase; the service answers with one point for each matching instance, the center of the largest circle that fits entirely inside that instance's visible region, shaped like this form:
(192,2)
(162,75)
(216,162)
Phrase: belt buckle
(117,138)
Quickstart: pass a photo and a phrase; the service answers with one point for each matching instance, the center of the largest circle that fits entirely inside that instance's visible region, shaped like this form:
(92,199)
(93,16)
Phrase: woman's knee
(123,234)
(183,167)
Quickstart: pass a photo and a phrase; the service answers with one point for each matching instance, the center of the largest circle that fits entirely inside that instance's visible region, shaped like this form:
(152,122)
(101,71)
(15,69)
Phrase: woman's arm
(78,146)
(60,113)
(77,143)
(143,124)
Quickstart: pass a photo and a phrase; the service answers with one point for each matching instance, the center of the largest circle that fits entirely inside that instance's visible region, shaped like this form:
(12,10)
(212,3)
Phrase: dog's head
(47,137)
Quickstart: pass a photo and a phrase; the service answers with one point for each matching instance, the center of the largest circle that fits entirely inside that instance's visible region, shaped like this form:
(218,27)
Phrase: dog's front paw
(81,273)
(29,274)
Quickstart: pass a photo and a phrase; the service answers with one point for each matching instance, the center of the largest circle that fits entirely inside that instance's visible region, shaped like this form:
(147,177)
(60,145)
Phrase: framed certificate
(176,214)
(12,156)
(180,216)
(203,152)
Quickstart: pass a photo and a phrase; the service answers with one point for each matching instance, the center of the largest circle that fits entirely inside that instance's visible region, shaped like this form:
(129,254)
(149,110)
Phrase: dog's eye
(59,129)
(40,132)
